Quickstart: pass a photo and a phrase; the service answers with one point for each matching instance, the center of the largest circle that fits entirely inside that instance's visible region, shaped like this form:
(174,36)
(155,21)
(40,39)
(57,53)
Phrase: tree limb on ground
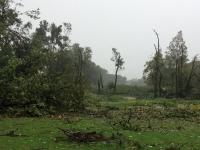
(84,137)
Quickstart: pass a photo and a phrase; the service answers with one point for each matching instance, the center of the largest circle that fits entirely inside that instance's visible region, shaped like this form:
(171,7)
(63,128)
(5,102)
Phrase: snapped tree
(153,70)
(119,64)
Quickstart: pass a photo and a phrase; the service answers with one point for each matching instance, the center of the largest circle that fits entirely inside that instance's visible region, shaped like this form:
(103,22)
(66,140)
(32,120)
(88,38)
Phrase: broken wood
(84,137)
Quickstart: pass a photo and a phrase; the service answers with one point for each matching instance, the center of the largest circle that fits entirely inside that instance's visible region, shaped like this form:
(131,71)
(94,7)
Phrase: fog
(126,25)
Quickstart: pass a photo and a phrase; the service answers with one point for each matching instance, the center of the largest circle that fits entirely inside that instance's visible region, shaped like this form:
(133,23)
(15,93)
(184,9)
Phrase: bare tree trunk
(79,87)
(155,86)
(160,85)
(176,92)
(187,87)
(158,73)
(172,83)
(115,83)
(181,76)
(101,81)
(99,86)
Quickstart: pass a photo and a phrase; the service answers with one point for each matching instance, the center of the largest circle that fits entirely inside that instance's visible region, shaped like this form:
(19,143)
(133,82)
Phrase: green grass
(41,133)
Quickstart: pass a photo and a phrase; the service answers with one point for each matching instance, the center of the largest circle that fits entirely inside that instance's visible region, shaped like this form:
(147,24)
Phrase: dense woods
(42,70)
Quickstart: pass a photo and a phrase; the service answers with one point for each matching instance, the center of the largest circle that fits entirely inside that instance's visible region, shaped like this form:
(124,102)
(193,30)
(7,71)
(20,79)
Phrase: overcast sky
(126,25)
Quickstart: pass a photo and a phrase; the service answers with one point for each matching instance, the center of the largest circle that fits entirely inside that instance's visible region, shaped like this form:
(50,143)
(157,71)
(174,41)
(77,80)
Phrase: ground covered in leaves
(112,123)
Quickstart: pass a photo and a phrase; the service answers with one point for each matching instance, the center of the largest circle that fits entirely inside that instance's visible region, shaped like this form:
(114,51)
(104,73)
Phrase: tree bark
(187,87)
(115,84)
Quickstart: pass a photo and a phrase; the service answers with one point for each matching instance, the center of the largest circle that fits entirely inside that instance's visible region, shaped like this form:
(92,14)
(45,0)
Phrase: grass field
(137,124)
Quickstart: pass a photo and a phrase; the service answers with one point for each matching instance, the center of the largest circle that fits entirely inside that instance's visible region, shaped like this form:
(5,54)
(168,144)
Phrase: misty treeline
(40,70)
(172,74)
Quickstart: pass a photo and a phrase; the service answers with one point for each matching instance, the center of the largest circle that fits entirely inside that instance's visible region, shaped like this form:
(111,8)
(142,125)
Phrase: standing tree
(158,66)
(119,63)
(101,80)
(153,70)
(177,57)
(188,86)
(100,83)
(14,49)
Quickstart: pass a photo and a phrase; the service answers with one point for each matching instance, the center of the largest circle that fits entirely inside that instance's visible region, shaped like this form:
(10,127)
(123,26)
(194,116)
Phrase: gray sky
(126,25)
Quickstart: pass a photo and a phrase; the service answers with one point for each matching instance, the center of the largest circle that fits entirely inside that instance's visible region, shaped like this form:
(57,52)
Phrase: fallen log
(84,137)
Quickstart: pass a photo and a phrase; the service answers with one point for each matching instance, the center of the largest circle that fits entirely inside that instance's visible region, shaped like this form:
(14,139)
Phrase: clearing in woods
(114,123)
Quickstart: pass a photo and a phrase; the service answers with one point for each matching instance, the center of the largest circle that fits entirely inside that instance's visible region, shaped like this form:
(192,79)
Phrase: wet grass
(168,131)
